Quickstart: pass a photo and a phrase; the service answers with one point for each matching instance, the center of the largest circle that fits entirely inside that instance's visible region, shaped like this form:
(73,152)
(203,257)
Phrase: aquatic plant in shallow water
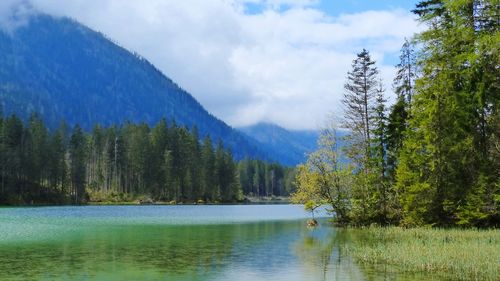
(454,253)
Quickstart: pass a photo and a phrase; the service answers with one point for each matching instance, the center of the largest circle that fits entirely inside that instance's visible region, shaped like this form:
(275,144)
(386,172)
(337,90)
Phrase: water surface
(246,242)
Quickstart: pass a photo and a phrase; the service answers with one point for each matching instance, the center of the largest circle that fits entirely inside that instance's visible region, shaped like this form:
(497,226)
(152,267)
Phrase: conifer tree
(120,163)
(404,87)
(359,96)
(208,171)
(404,82)
(361,90)
(77,158)
(443,164)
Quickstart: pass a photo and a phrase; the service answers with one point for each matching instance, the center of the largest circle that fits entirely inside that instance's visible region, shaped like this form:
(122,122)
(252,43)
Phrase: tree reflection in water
(321,251)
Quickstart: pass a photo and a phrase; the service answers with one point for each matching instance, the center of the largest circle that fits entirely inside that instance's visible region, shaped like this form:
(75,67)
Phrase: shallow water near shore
(240,242)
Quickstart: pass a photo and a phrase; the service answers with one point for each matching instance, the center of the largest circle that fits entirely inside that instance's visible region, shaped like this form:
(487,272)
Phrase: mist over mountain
(292,145)
(63,70)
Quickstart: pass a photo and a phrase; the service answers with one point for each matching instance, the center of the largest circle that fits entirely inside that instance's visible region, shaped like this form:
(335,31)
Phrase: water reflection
(183,252)
(321,251)
(267,250)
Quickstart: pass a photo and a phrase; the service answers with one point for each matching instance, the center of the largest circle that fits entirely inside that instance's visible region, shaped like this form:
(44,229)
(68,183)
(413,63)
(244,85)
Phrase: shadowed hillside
(66,71)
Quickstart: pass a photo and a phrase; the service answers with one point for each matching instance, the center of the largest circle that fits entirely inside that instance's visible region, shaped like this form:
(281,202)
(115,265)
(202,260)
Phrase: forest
(259,178)
(433,157)
(128,163)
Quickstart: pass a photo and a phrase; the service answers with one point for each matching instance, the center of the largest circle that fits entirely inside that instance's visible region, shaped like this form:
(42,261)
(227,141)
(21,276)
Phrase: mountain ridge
(293,145)
(63,70)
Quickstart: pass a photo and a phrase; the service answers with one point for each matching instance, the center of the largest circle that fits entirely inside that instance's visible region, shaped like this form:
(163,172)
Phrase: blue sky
(249,61)
(337,7)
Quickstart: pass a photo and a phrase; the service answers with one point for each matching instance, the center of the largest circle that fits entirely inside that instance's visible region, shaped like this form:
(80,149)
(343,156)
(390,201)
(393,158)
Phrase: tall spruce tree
(443,173)
(208,171)
(160,159)
(385,204)
(360,103)
(404,81)
(77,148)
(360,93)
(404,87)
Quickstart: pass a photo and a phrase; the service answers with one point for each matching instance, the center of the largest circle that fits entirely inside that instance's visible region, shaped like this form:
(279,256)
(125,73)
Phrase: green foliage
(373,198)
(311,206)
(65,71)
(324,180)
(397,123)
(77,146)
(114,164)
(445,173)
(435,159)
(396,129)
(259,178)
(455,254)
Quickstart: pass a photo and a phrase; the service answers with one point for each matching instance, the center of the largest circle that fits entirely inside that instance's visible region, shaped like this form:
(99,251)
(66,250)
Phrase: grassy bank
(457,254)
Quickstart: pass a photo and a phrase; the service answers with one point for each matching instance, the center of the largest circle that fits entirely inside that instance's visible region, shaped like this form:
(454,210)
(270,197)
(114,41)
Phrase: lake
(240,242)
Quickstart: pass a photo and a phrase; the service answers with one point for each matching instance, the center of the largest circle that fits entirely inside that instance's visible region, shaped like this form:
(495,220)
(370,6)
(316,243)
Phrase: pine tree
(404,82)
(160,159)
(57,161)
(168,191)
(38,148)
(385,208)
(208,171)
(443,162)
(195,165)
(13,139)
(138,155)
(361,90)
(118,164)
(77,147)
(404,87)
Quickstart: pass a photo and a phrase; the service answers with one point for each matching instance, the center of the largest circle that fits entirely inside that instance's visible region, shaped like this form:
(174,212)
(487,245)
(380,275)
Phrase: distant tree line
(259,178)
(433,158)
(166,162)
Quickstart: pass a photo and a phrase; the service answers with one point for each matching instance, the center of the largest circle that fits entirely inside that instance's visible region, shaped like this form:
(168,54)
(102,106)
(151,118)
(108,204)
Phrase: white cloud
(285,66)
(14,14)
(277,4)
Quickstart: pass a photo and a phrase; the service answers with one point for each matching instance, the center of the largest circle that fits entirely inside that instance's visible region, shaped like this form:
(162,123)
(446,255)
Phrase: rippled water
(249,242)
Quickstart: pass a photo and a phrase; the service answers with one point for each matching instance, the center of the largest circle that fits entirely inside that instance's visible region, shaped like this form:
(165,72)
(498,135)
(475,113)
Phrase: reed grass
(455,253)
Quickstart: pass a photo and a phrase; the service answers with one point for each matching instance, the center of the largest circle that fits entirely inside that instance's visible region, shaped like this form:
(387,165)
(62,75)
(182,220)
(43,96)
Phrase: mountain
(292,146)
(65,71)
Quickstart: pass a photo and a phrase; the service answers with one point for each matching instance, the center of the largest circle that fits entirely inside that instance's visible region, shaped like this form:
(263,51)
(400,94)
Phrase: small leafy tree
(323,180)
(308,191)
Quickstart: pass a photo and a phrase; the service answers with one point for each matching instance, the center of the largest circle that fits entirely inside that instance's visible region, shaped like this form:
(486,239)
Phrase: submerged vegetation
(454,253)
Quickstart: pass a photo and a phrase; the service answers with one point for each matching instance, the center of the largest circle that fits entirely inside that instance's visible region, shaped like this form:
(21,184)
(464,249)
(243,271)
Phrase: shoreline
(246,201)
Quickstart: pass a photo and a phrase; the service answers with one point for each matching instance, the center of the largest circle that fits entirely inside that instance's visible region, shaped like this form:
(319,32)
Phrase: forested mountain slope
(65,71)
(293,145)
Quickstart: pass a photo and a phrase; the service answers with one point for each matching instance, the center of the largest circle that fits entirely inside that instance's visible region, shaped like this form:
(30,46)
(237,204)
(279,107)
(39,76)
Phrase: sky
(248,61)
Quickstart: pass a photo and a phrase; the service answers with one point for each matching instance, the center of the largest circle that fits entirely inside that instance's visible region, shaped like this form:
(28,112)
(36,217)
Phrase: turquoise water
(247,242)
